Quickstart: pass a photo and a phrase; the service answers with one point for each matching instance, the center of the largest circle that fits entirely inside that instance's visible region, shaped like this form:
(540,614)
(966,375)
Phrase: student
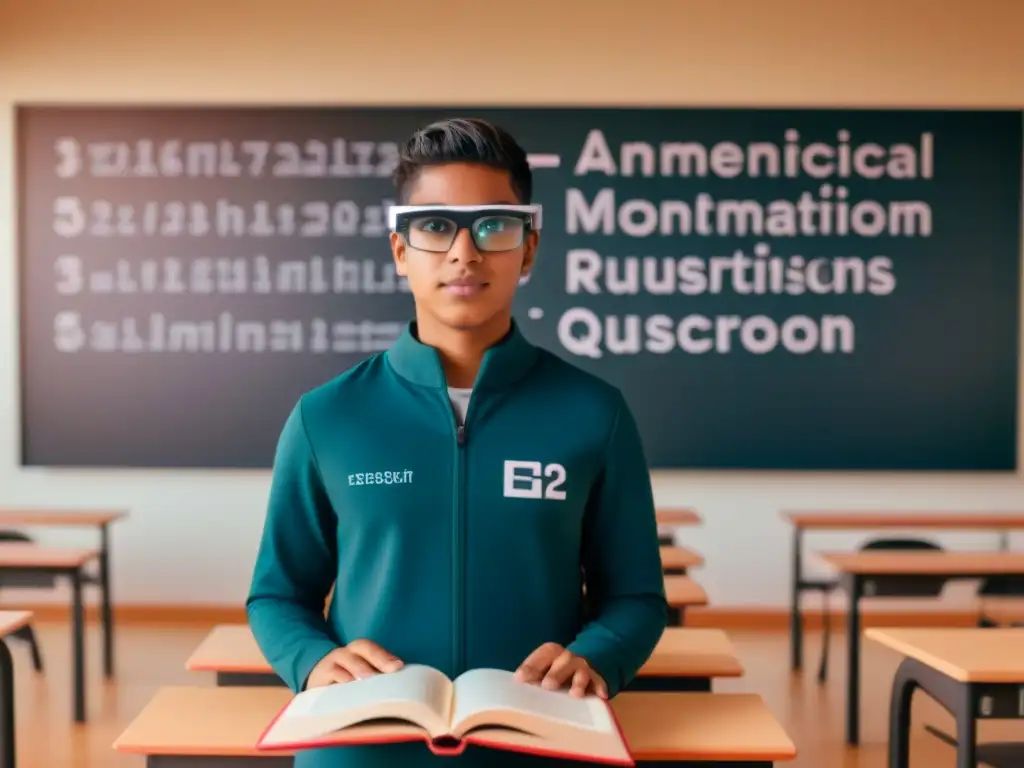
(460,487)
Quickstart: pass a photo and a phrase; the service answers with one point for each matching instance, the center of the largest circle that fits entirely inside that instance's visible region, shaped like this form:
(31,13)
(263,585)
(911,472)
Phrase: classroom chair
(11,581)
(901,588)
(1000,588)
(991,754)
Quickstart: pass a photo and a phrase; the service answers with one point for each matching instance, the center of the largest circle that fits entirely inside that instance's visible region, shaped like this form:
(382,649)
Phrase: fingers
(574,670)
(364,658)
(585,680)
(536,665)
(358,660)
(554,667)
(338,674)
(561,670)
(580,682)
(328,671)
(355,664)
(376,656)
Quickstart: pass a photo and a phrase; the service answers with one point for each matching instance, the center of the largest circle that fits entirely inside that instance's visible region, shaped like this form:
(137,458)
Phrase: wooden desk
(1003,611)
(847,520)
(669,518)
(677,516)
(230,651)
(184,727)
(685,659)
(973,673)
(688,659)
(10,621)
(77,518)
(682,592)
(678,560)
(864,574)
(29,559)
(70,518)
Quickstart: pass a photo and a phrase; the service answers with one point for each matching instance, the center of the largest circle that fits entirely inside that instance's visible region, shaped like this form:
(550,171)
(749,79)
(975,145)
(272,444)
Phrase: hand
(358,659)
(553,666)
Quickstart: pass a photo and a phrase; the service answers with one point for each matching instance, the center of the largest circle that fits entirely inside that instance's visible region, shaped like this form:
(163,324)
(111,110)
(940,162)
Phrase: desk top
(682,651)
(680,557)
(850,520)
(683,726)
(24,555)
(12,621)
(701,726)
(970,655)
(58,517)
(915,563)
(228,648)
(693,652)
(677,516)
(684,591)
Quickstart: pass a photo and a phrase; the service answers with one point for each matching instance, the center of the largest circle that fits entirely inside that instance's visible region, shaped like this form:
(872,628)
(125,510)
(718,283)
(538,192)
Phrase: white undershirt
(459,397)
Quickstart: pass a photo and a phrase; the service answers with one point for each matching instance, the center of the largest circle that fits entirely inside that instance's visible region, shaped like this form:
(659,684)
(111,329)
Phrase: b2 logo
(533,480)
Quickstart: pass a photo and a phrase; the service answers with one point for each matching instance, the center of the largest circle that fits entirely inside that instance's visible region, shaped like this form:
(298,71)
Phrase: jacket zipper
(458,540)
(460,543)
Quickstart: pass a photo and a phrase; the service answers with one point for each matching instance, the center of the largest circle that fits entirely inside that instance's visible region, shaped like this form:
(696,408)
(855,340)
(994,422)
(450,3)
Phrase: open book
(484,707)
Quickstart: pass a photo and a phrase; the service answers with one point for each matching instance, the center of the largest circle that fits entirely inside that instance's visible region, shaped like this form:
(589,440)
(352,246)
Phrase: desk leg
(78,644)
(670,684)
(954,696)
(796,627)
(248,680)
(903,688)
(856,587)
(107,613)
(8,754)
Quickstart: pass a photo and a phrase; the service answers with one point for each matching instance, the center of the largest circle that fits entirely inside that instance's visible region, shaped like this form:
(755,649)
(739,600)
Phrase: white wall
(646,51)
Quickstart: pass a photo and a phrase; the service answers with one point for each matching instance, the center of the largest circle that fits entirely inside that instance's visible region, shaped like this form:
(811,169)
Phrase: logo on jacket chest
(385,477)
(533,480)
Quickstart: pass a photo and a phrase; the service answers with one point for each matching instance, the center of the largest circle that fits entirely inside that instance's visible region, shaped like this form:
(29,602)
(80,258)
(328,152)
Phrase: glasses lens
(432,233)
(498,233)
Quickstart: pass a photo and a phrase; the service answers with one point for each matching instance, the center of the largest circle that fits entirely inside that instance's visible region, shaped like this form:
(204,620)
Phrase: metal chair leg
(28,634)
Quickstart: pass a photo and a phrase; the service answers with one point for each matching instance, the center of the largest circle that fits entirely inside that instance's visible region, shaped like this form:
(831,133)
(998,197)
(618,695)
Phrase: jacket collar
(503,364)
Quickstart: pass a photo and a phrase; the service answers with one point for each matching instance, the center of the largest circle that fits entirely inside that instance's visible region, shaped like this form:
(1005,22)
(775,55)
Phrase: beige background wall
(645,51)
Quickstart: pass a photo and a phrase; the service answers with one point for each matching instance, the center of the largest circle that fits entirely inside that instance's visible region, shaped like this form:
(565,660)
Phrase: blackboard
(771,288)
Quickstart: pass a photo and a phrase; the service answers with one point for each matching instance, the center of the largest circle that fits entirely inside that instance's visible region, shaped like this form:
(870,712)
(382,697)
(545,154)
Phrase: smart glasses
(494,228)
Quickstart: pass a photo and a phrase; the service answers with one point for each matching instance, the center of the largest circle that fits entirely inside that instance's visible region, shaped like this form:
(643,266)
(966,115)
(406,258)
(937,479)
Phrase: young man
(459,489)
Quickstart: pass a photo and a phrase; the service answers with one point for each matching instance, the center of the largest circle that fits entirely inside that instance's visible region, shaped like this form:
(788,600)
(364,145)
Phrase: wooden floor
(151,656)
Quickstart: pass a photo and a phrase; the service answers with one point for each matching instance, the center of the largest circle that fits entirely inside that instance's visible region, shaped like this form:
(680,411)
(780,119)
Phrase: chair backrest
(898,544)
(1001,586)
(903,586)
(15,536)
(28,580)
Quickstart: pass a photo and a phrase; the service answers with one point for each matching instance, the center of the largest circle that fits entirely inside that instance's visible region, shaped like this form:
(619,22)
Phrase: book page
(495,697)
(492,708)
(415,693)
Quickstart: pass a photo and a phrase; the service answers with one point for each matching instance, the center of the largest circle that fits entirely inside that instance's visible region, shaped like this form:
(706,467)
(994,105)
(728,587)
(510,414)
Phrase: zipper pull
(460,435)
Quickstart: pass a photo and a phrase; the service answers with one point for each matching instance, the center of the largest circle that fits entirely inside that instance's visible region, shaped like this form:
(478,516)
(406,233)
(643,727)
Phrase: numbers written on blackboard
(74,217)
(157,332)
(146,158)
(199,275)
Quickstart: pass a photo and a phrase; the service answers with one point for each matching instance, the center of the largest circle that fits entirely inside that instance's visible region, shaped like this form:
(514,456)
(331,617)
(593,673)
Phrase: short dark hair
(463,140)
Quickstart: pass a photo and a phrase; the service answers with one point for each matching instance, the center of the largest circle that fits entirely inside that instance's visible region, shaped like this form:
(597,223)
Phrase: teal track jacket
(458,547)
